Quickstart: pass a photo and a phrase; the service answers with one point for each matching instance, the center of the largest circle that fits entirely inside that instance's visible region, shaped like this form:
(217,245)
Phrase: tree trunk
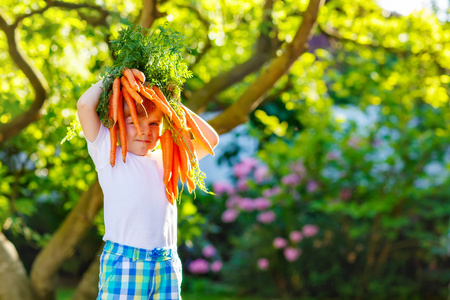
(238,113)
(87,289)
(63,242)
(14,283)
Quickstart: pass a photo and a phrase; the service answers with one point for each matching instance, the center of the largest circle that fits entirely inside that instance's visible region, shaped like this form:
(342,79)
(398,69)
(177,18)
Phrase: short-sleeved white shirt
(136,210)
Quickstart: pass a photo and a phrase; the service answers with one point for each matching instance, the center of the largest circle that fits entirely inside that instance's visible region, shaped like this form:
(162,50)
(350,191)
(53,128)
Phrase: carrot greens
(158,54)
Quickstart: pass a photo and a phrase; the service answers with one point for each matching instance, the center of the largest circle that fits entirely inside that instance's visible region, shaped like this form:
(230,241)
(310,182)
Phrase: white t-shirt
(136,210)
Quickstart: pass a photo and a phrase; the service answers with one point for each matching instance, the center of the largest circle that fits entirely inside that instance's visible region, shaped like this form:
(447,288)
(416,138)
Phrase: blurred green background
(331,180)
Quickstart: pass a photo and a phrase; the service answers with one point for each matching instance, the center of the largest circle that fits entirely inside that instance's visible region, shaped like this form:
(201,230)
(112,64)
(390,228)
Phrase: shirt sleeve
(100,148)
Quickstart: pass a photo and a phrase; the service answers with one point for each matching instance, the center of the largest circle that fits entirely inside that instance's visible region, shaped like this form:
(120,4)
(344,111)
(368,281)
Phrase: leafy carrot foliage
(158,53)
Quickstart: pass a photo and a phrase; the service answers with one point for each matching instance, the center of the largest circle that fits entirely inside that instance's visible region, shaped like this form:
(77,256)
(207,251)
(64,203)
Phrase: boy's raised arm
(86,107)
(209,133)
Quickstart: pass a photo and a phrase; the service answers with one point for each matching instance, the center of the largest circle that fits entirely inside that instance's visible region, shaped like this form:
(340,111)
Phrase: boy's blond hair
(141,109)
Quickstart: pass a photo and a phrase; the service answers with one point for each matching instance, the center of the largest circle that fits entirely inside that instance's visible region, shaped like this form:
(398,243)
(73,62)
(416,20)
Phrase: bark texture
(14,283)
(63,242)
(239,111)
(87,289)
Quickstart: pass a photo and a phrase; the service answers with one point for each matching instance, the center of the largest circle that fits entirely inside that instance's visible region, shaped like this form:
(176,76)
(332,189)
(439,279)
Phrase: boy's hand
(87,114)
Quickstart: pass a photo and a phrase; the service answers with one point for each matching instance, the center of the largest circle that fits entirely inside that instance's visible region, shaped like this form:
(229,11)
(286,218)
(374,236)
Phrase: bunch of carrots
(179,156)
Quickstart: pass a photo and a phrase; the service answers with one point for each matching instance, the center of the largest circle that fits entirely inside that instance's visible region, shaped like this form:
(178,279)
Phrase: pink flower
(263,263)
(266,217)
(261,203)
(246,204)
(250,161)
(229,215)
(261,174)
(312,186)
(209,251)
(243,168)
(199,266)
(333,155)
(299,169)
(377,142)
(216,266)
(295,236)
(242,184)
(272,192)
(292,254)
(233,201)
(223,188)
(345,194)
(279,242)
(354,142)
(291,179)
(310,230)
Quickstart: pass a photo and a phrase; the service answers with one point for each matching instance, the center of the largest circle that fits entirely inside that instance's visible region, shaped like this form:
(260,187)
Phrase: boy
(140,256)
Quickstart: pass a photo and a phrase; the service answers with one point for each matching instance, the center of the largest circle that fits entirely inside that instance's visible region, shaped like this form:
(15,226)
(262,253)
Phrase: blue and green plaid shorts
(134,273)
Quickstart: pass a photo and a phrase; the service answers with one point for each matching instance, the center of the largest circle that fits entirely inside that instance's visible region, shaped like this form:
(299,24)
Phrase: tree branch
(238,113)
(276,95)
(37,81)
(265,50)
(334,34)
(67,5)
(205,23)
(150,12)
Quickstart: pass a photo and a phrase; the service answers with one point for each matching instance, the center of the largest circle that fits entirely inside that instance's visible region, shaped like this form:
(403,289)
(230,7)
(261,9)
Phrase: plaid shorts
(134,273)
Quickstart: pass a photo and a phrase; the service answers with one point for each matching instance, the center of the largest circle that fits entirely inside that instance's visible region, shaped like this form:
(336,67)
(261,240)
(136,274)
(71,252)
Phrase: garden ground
(200,289)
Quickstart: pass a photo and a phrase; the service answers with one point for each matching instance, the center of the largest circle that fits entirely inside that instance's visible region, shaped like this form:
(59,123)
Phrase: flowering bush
(331,215)
(202,265)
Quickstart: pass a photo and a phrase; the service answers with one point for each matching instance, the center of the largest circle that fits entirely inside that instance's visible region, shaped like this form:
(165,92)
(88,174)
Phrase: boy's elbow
(82,107)
(214,141)
(83,104)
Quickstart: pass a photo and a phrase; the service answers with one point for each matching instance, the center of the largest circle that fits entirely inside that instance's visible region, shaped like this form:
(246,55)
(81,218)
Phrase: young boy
(140,258)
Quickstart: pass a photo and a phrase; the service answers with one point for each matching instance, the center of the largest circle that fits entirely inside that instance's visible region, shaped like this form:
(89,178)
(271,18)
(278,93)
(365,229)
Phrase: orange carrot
(195,129)
(175,118)
(115,98)
(133,112)
(188,141)
(139,75)
(130,76)
(189,181)
(135,95)
(150,94)
(192,157)
(167,150)
(175,170)
(169,195)
(122,129)
(113,137)
(184,160)
(112,133)
(159,93)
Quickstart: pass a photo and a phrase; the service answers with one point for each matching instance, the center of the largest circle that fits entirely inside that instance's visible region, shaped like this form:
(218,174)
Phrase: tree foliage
(249,61)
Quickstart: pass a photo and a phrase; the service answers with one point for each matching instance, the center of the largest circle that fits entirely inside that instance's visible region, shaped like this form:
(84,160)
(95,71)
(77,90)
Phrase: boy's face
(150,127)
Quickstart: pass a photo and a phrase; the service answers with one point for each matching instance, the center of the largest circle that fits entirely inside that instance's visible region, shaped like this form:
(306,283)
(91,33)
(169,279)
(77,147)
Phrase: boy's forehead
(157,114)
(154,115)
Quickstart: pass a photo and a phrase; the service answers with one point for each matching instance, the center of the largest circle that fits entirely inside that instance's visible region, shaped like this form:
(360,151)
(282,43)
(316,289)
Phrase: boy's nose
(145,128)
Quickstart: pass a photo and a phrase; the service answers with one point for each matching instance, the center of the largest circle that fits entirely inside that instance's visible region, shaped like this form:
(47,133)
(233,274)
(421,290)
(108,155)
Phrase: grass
(67,293)
(192,288)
